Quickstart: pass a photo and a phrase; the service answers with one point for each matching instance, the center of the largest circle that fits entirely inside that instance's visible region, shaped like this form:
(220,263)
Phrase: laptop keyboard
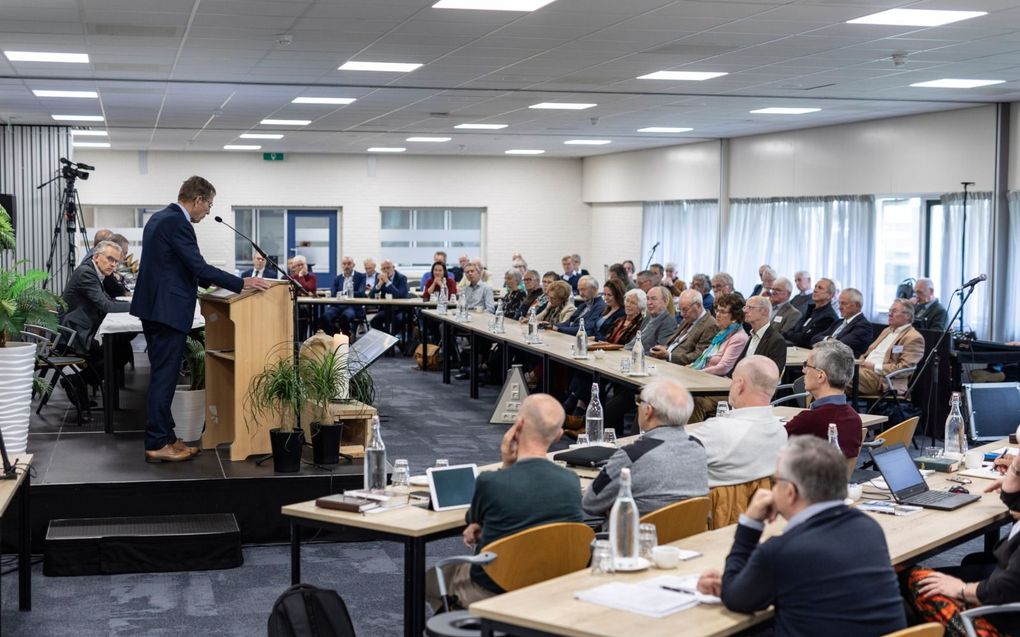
(930,497)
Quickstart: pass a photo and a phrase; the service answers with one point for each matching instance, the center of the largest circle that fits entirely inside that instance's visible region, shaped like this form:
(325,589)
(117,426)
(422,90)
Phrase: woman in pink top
(722,354)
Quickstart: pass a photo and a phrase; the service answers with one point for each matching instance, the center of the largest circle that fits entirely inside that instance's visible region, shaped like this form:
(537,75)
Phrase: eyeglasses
(208,202)
(753,307)
(722,311)
(639,401)
(776,479)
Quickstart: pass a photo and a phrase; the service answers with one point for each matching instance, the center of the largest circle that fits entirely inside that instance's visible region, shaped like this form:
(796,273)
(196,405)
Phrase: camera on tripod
(74,170)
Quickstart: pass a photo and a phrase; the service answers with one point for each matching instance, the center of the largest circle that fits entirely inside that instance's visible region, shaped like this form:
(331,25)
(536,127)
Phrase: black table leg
(545,373)
(109,383)
(473,365)
(448,350)
(25,548)
(424,334)
(295,553)
(856,386)
(414,587)
(503,373)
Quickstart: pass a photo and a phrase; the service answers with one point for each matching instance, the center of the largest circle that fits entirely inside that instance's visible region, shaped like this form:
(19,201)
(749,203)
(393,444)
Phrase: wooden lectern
(242,333)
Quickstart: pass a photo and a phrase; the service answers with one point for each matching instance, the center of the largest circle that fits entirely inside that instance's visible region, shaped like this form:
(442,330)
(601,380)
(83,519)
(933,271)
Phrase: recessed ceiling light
(261,136)
(428,139)
(951,83)
(492,5)
(565,106)
(241,147)
(91,144)
(386,149)
(694,76)
(78,118)
(80,94)
(89,133)
(285,122)
(916,17)
(783,110)
(482,126)
(664,129)
(523,151)
(38,56)
(588,142)
(385,67)
(322,100)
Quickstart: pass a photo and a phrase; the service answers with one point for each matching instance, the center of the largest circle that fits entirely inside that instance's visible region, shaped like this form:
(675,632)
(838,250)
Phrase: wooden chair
(931,629)
(729,501)
(901,433)
(679,520)
(539,553)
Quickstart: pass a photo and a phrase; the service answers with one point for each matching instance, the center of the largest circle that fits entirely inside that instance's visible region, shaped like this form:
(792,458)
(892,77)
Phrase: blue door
(312,234)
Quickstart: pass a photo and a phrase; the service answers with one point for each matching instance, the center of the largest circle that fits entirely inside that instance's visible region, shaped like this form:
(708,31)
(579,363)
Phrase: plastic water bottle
(375,459)
(581,346)
(442,300)
(593,417)
(722,409)
(834,436)
(623,526)
(349,287)
(532,326)
(497,322)
(956,434)
(637,356)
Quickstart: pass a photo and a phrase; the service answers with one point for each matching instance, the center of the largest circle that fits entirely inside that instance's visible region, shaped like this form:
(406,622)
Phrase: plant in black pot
(324,375)
(278,392)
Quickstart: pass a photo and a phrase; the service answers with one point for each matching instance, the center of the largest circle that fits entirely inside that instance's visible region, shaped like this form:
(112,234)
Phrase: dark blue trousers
(166,353)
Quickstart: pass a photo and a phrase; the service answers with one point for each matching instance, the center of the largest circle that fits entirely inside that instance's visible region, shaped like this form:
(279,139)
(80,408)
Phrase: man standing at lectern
(165,295)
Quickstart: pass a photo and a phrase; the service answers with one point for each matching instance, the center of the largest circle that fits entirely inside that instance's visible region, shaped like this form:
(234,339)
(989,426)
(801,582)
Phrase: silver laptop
(907,485)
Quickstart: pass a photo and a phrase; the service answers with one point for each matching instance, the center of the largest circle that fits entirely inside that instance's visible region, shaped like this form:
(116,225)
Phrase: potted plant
(188,407)
(22,301)
(278,391)
(324,375)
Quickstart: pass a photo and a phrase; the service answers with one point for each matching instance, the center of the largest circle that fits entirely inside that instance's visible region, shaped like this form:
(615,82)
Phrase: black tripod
(69,216)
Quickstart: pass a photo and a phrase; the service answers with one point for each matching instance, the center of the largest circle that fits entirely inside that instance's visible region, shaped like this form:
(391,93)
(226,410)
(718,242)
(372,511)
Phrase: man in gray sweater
(666,465)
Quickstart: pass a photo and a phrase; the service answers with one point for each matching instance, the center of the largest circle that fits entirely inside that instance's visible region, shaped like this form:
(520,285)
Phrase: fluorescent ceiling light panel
(563,106)
(783,110)
(91,144)
(322,100)
(588,142)
(493,5)
(285,122)
(692,76)
(951,83)
(241,147)
(386,149)
(89,133)
(523,151)
(664,129)
(429,139)
(39,56)
(916,17)
(482,126)
(79,94)
(384,67)
(78,118)
(261,136)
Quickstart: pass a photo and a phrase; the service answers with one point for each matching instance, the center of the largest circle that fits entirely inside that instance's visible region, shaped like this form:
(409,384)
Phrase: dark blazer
(573,324)
(172,269)
(603,331)
(397,287)
(268,272)
(817,585)
(87,306)
(814,321)
(696,339)
(772,345)
(801,301)
(1003,585)
(358,278)
(857,335)
(757,290)
(933,317)
(572,280)
(708,302)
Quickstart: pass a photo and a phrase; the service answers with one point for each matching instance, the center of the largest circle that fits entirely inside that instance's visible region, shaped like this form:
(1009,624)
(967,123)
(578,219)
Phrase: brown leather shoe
(167,454)
(180,445)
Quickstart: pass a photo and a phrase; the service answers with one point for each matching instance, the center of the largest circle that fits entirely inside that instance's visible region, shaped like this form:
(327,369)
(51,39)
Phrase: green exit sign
(272,156)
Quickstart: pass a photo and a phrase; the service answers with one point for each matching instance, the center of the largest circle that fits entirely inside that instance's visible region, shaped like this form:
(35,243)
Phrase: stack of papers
(655,597)
(888,507)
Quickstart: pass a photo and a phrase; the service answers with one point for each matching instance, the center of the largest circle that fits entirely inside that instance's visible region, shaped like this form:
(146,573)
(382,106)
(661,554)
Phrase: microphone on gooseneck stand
(297,286)
(978,279)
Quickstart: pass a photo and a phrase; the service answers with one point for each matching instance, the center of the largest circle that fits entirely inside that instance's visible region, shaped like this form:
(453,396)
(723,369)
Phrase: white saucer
(580,358)
(418,481)
(631,565)
(638,374)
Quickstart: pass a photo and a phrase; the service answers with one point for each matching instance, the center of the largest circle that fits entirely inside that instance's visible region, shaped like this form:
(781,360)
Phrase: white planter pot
(17,367)
(188,410)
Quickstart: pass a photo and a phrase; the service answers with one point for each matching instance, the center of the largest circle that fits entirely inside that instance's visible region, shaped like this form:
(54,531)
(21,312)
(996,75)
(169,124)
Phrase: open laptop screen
(898,469)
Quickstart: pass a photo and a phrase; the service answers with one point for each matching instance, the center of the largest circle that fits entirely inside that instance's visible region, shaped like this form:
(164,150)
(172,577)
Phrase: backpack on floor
(433,357)
(304,610)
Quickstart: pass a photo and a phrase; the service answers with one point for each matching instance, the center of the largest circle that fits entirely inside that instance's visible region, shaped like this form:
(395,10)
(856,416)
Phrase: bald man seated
(529,490)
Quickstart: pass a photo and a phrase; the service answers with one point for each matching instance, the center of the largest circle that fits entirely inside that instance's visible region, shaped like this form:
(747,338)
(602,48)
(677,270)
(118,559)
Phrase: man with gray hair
(722,283)
(803,298)
(816,317)
(928,312)
(694,334)
(816,585)
(852,329)
(589,311)
(765,339)
(827,373)
(783,315)
(666,464)
(768,279)
(701,283)
(898,346)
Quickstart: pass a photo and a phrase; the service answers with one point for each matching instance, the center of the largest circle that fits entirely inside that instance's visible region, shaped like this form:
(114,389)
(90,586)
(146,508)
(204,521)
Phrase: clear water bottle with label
(442,300)
(532,326)
(375,459)
(956,433)
(722,409)
(593,417)
(497,321)
(349,287)
(834,436)
(581,344)
(623,527)
(637,356)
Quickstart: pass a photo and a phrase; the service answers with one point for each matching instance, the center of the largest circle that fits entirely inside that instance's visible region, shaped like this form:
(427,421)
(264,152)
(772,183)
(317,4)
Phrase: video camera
(74,170)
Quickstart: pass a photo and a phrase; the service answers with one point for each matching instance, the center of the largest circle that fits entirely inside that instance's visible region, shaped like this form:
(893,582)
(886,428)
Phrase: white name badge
(778,319)
(897,349)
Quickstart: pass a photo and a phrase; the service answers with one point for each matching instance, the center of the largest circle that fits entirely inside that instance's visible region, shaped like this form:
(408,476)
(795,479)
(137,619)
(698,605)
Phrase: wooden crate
(357,420)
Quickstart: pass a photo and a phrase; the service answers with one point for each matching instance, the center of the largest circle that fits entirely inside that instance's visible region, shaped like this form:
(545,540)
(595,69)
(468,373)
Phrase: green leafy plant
(324,379)
(278,391)
(7,238)
(194,361)
(22,301)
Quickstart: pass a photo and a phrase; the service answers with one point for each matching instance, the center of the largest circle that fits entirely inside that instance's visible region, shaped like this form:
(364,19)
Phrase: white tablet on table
(452,487)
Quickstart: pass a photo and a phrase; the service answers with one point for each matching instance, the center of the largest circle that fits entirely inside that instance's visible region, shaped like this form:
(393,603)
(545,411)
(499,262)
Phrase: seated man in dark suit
(853,329)
(259,268)
(569,274)
(350,283)
(588,311)
(694,334)
(389,283)
(765,339)
(928,312)
(817,584)
(816,317)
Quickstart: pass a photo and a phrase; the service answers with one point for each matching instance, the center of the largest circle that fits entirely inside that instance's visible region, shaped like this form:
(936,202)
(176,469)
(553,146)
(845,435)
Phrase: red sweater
(815,422)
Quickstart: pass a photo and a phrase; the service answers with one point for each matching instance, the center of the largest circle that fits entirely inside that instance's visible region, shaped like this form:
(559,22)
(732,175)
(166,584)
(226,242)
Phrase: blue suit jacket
(397,287)
(268,272)
(359,284)
(573,324)
(172,269)
(857,336)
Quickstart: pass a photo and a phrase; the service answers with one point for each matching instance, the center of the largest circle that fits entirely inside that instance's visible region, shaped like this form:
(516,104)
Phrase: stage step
(152,544)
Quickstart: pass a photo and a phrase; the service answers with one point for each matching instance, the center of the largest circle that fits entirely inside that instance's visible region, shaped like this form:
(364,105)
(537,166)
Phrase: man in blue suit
(589,311)
(259,269)
(389,282)
(165,295)
(343,315)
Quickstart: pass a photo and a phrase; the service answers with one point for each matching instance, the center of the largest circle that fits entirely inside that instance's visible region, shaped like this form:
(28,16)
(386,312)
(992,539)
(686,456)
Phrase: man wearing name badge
(589,311)
(898,346)
(784,315)
(816,318)
(928,312)
(827,372)
(810,575)
(527,491)
(171,270)
(258,268)
(852,329)
(765,339)
(694,334)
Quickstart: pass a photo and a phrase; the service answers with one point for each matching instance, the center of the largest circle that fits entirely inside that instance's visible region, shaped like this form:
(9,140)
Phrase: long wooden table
(20,487)
(550,608)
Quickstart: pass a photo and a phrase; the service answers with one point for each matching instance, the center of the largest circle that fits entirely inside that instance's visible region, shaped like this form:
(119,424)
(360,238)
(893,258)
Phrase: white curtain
(947,268)
(1012,327)
(829,237)
(687,233)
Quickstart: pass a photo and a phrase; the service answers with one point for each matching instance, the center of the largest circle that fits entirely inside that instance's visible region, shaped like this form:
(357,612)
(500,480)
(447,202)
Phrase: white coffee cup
(973,459)
(666,556)
(854,491)
(599,354)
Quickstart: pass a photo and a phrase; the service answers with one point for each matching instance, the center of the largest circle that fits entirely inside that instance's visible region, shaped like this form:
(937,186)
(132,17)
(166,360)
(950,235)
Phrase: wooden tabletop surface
(9,487)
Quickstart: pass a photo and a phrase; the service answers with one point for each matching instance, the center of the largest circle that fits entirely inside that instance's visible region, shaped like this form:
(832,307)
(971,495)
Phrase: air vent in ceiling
(132,30)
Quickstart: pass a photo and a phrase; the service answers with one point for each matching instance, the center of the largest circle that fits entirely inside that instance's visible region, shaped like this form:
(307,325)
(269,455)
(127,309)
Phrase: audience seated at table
(617,271)
(693,335)
(512,295)
(725,347)
(764,339)
(298,267)
(784,315)
(389,283)
(898,346)
(658,325)
(570,275)
(432,283)
(852,328)
(588,311)
(702,283)
(613,293)
(645,280)
(342,316)
(829,571)
(816,317)
(559,308)
(533,295)
(827,372)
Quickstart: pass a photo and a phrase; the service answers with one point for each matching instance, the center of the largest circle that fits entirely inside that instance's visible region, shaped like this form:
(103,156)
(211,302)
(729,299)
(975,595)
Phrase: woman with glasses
(725,348)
